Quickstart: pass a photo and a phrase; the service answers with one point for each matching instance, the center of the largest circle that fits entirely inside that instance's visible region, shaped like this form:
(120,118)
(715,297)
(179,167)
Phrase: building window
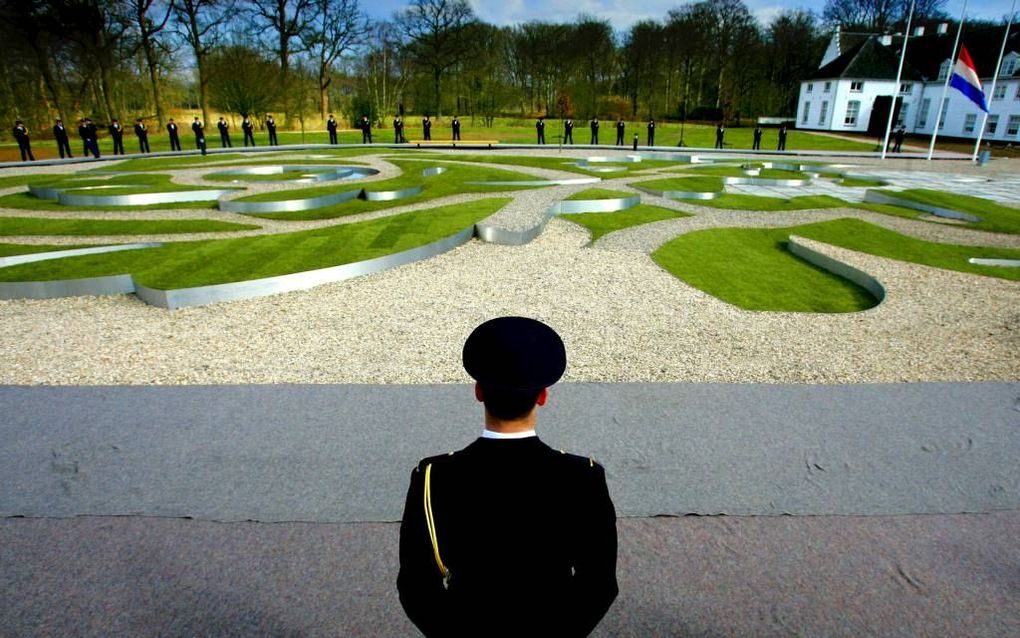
(970,123)
(991,124)
(824,113)
(853,109)
(902,119)
(942,115)
(1013,125)
(1017,98)
(1009,65)
(1000,92)
(828,86)
(807,112)
(944,70)
(810,87)
(922,115)
(856,87)
(906,88)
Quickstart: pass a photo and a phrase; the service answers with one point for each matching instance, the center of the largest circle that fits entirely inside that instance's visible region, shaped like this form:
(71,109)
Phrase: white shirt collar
(489,434)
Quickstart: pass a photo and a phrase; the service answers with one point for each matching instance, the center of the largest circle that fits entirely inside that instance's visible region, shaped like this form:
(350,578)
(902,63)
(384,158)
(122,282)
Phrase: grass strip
(699,184)
(6,250)
(599,193)
(994,216)
(599,224)
(35,226)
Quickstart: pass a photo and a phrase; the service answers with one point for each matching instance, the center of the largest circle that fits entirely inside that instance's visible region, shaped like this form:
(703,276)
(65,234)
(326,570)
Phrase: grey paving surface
(946,575)
(343,453)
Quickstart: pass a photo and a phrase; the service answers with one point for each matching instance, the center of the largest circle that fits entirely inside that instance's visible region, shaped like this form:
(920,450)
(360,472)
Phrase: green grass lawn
(566,164)
(860,182)
(186,264)
(142,164)
(599,193)
(752,269)
(736,171)
(25,201)
(11,181)
(6,250)
(994,216)
(599,224)
(34,226)
(699,184)
(128,184)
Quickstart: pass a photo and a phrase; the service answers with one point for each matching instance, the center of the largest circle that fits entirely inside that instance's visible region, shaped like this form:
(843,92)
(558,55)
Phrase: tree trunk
(150,61)
(43,62)
(203,88)
(104,82)
(436,73)
(285,78)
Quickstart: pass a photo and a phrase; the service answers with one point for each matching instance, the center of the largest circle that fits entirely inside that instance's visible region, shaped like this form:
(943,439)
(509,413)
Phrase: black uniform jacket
(528,534)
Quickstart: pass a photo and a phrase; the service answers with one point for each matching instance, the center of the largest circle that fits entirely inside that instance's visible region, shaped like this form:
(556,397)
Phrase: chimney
(885,40)
(943,28)
(918,32)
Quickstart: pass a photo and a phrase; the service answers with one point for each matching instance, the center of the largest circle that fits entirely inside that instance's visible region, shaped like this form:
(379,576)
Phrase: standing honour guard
(540,129)
(143,136)
(900,134)
(594,131)
(651,131)
(456,128)
(756,143)
(568,131)
(781,146)
(366,130)
(199,130)
(720,132)
(117,134)
(331,127)
(83,133)
(224,133)
(249,130)
(271,127)
(60,135)
(426,128)
(620,127)
(21,135)
(175,139)
(92,137)
(398,130)
(508,536)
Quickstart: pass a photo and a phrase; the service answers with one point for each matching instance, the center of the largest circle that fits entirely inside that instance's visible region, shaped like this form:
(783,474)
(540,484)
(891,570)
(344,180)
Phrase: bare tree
(288,22)
(98,28)
(198,24)
(148,31)
(435,31)
(32,23)
(338,27)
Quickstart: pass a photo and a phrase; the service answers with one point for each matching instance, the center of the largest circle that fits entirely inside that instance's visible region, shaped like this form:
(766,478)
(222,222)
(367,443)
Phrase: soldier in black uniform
(366,130)
(21,136)
(620,127)
(508,537)
(398,130)
(426,127)
(900,134)
(117,135)
(455,124)
(720,131)
(60,135)
(224,133)
(568,131)
(143,136)
(249,130)
(782,138)
(271,127)
(199,130)
(92,135)
(595,131)
(331,127)
(175,139)
(756,144)
(540,129)
(84,135)
(651,132)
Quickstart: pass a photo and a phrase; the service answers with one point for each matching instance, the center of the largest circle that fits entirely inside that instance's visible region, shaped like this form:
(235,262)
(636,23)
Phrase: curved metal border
(493,234)
(684,158)
(875,197)
(54,289)
(322,172)
(796,246)
(14,260)
(595,205)
(287,205)
(386,196)
(1005,263)
(764,181)
(577,181)
(703,195)
(204,295)
(434,170)
(142,199)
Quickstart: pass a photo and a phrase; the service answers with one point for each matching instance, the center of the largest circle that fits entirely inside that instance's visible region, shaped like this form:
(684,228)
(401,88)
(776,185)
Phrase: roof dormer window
(1010,64)
(944,69)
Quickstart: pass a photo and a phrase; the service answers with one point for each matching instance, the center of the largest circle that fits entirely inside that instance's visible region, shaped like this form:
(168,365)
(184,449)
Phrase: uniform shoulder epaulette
(432,459)
(589,461)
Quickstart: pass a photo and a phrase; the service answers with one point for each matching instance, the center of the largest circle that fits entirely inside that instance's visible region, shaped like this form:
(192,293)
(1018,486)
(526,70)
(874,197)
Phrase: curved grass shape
(201,263)
(599,193)
(737,171)
(600,224)
(699,184)
(994,216)
(126,185)
(6,250)
(860,182)
(84,227)
(553,163)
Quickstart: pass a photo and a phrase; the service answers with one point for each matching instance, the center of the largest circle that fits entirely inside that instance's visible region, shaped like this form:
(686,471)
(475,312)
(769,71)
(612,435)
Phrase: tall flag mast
(945,87)
(995,78)
(899,76)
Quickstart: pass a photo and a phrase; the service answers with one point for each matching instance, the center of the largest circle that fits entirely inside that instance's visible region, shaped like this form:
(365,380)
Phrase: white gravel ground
(622,317)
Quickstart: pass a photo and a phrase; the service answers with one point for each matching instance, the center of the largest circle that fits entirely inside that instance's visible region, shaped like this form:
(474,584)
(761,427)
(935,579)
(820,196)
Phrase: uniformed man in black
(271,127)
(175,139)
(756,143)
(331,127)
(117,135)
(568,131)
(455,124)
(83,133)
(199,130)
(781,146)
(508,537)
(92,135)
(224,129)
(900,134)
(651,131)
(620,127)
(426,128)
(366,130)
(540,129)
(720,132)
(595,131)
(398,130)
(24,144)
(60,135)
(249,130)
(142,133)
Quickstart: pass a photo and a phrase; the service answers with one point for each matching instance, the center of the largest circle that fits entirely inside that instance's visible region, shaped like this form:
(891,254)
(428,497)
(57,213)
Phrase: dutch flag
(966,80)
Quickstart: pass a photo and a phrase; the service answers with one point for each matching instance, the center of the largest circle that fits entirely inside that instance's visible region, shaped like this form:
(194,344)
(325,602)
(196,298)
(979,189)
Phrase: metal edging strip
(797,247)
(875,197)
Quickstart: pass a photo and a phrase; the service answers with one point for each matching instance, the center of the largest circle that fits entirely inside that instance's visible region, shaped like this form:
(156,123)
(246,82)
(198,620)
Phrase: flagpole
(995,78)
(945,87)
(899,76)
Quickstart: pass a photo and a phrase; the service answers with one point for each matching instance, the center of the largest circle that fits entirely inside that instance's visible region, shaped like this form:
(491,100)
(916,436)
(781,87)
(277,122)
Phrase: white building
(857,76)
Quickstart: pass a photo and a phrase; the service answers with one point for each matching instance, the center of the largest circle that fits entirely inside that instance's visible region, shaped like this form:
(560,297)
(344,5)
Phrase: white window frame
(1017,97)
(906,88)
(856,86)
(810,87)
(922,113)
(999,93)
(904,109)
(807,113)
(991,124)
(1013,125)
(1009,65)
(828,87)
(853,113)
(944,113)
(944,69)
(970,123)
(824,113)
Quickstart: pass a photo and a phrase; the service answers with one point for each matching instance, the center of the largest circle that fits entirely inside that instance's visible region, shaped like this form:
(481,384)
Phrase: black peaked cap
(516,353)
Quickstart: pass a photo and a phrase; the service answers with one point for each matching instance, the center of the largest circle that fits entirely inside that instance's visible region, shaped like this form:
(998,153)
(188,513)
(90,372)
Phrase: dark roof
(927,53)
(868,59)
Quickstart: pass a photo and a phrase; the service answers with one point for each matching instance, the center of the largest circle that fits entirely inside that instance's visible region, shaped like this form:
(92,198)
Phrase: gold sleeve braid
(430,521)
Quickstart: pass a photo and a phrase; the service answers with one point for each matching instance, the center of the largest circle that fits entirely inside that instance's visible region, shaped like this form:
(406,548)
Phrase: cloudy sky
(623,13)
